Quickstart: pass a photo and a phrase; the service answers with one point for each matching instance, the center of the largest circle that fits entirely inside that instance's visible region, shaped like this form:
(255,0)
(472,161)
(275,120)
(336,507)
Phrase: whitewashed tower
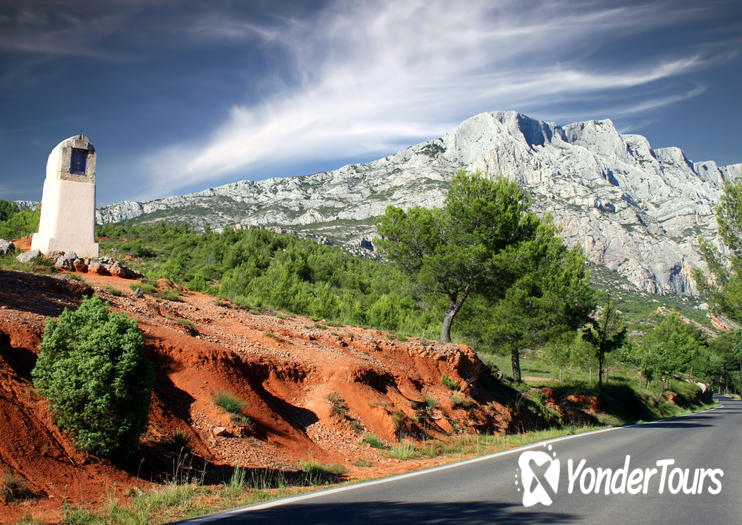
(68,200)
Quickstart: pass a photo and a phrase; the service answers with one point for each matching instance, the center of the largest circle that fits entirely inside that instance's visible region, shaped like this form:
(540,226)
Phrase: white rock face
(633,209)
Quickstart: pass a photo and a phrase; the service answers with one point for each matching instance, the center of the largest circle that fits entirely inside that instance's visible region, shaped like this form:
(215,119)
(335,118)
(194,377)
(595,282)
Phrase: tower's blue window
(78,161)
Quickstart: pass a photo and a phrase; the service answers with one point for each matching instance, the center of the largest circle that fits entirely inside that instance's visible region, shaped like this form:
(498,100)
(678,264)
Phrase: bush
(15,223)
(449,383)
(14,488)
(374,440)
(229,403)
(338,405)
(92,370)
(313,467)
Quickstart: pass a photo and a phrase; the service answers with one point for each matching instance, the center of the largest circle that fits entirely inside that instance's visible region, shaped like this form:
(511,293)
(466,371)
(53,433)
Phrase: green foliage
(179,441)
(399,421)
(449,383)
(465,248)
(430,402)
(92,370)
(404,451)
(337,404)
(725,285)
(228,402)
(672,347)
(319,471)
(605,334)
(15,223)
(260,269)
(7,209)
(550,295)
(485,243)
(722,363)
(14,488)
(374,441)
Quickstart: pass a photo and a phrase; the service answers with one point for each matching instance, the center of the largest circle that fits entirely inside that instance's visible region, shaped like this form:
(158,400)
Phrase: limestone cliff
(634,209)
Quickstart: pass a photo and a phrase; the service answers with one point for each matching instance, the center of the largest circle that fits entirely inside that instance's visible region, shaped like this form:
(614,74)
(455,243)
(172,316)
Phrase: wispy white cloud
(372,76)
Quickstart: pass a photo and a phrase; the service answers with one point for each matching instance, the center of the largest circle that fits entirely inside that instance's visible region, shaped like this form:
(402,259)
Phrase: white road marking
(303,497)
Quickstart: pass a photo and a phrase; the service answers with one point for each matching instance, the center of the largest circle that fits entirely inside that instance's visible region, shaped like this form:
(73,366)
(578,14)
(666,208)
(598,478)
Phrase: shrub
(92,370)
(229,403)
(399,420)
(14,488)
(430,402)
(313,467)
(374,441)
(179,441)
(404,451)
(338,405)
(188,325)
(449,383)
(113,291)
(459,401)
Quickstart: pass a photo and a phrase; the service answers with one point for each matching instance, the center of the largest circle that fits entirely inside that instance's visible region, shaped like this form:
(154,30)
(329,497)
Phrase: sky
(180,96)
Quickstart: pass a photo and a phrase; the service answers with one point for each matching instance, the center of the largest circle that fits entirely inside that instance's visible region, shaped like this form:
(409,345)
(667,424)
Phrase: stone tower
(68,201)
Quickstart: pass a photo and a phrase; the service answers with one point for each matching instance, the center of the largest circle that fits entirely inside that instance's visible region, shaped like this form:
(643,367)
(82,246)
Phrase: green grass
(179,442)
(322,473)
(144,286)
(228,402)
(374,441)
(39,265)
(313,466)
(430,402)
(403,451)
(14,488)
(188,325)
(459,400)
(173,502)
(171,294)
(449,383)
(337,404)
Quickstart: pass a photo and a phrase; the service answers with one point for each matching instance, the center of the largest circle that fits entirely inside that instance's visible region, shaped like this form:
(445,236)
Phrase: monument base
(47,245)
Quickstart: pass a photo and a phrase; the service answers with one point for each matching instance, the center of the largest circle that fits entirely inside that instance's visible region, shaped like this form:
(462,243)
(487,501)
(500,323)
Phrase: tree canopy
(724,284)
(605,334)
(92,370)
(466,247)
(673,346)
(485,242)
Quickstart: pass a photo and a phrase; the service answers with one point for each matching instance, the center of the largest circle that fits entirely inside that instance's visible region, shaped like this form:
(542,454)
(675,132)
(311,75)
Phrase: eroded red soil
(284,369)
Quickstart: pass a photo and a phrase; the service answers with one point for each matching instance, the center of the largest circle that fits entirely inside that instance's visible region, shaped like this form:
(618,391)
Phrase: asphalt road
(484,490)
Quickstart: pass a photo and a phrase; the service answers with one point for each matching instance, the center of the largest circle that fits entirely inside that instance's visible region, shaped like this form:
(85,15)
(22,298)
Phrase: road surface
(484,490)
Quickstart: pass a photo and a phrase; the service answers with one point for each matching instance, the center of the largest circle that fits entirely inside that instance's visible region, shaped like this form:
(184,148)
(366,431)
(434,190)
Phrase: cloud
(370,77)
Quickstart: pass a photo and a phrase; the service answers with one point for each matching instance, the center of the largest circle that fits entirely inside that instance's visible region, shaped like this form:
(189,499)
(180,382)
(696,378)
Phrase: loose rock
(29,256)
(6,247)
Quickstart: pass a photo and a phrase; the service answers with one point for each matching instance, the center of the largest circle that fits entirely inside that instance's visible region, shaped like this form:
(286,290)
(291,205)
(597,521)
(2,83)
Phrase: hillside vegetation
(258,269)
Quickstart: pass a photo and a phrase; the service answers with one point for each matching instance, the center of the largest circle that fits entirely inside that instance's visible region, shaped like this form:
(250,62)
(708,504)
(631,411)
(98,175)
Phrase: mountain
(634,209)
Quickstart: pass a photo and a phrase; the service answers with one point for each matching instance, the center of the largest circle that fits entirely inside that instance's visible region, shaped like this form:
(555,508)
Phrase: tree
(670,348)
(605,334)
(98,383)
(726,354)
(462,248)
(15,223)
(724,287)
(549,297)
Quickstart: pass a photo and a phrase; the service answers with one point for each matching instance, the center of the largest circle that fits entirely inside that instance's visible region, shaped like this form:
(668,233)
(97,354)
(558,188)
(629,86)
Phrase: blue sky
(179,96)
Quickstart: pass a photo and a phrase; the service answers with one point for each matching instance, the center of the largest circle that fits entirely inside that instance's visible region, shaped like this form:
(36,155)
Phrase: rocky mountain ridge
(634,209)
